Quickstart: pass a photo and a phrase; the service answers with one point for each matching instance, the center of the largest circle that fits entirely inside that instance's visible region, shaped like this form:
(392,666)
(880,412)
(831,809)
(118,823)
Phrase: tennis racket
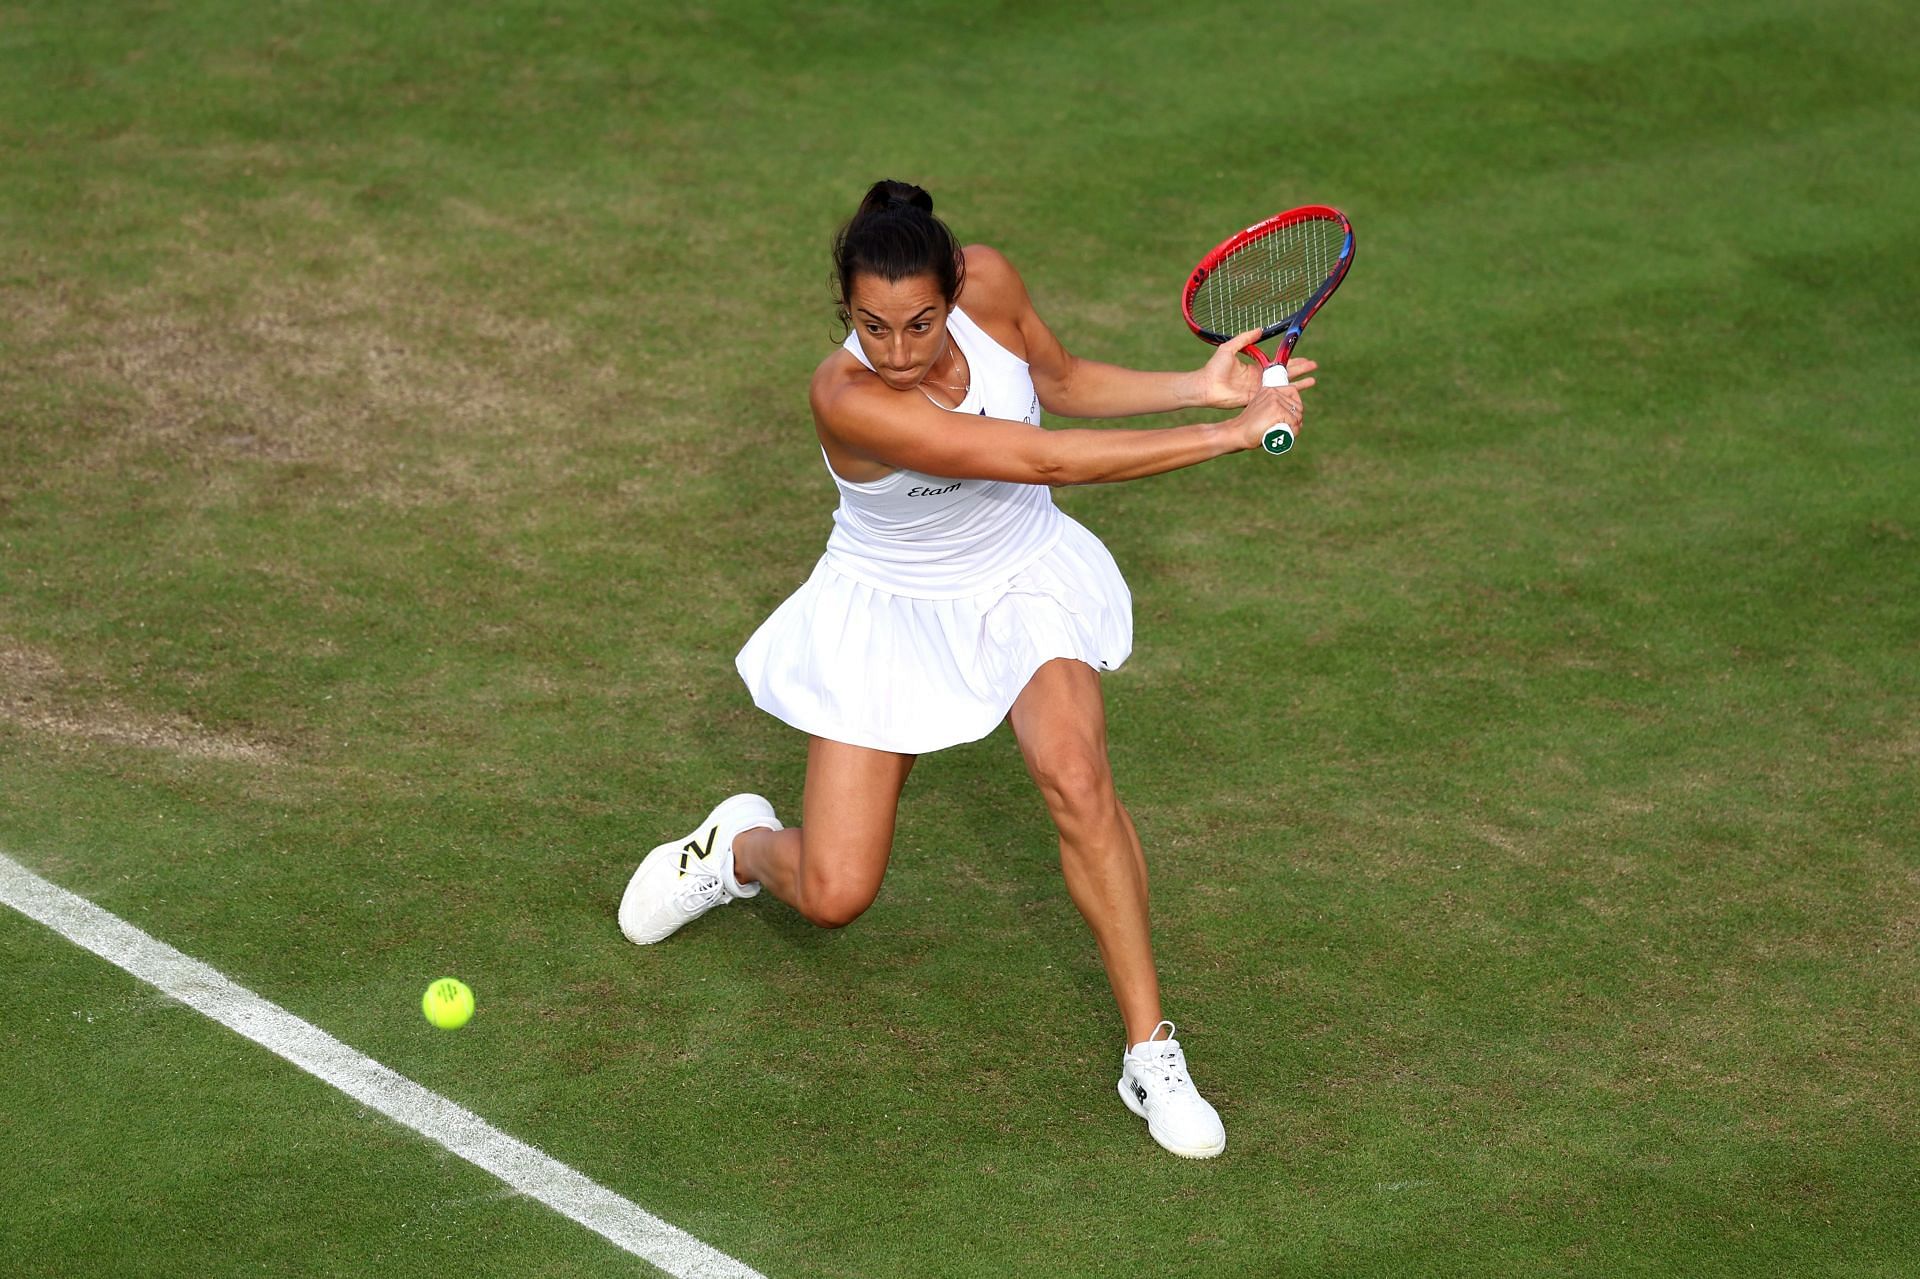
(1272,276)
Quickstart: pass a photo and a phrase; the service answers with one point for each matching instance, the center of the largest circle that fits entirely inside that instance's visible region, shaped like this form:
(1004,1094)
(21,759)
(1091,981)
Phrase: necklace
(949,387)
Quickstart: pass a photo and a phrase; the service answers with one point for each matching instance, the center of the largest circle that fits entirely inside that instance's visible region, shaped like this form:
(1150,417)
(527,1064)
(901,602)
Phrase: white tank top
(934,537)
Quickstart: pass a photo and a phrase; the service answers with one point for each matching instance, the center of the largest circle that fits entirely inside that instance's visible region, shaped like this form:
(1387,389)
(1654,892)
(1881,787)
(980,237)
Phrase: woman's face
(902,326)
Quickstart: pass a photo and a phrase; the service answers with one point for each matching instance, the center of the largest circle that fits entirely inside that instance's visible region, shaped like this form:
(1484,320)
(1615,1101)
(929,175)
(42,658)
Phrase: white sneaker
(683,880)
(1155,1086)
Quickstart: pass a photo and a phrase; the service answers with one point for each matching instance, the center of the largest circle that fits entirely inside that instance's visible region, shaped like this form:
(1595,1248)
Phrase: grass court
(403,422)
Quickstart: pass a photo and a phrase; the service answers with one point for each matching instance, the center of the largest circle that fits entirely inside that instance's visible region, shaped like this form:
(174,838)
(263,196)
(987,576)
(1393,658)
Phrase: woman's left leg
(1060,721)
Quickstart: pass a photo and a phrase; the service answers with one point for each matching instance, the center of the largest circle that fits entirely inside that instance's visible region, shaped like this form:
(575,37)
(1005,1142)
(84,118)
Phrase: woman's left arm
(1070,386)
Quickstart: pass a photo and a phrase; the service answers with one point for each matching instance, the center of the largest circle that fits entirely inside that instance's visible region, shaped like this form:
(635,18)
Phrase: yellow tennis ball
(448,1003)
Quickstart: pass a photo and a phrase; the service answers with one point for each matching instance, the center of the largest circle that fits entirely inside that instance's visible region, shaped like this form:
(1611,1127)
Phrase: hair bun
(888,194)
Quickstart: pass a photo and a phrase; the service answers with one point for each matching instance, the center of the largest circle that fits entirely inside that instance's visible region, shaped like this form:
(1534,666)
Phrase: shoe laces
(1162,1061)
(701,891)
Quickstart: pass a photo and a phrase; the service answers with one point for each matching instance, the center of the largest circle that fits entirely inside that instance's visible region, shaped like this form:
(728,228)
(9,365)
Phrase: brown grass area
(408,395)
(39,695)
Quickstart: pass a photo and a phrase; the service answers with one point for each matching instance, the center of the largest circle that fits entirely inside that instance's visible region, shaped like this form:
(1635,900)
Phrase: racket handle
(1280,438)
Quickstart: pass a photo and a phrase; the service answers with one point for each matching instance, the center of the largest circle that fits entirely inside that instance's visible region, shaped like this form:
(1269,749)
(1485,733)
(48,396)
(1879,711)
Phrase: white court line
(536,1175)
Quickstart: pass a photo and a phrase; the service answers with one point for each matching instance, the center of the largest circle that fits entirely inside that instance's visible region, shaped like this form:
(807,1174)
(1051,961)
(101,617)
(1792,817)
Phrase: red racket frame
(1273,372)
(1291,325)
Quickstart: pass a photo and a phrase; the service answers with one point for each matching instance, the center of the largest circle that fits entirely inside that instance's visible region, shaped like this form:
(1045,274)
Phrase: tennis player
(953,595)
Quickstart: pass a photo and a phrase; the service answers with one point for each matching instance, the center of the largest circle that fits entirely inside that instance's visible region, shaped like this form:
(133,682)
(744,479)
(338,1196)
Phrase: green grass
(402,423)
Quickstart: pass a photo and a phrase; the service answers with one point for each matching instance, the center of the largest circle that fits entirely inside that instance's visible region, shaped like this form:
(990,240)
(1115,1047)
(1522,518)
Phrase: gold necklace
(949,387)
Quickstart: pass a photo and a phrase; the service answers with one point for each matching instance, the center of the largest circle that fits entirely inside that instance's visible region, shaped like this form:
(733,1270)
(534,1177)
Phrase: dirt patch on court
(370,383)
(38,695)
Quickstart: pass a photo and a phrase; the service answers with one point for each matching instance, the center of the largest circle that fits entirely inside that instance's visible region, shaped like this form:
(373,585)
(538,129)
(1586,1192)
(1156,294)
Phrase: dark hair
(894,235)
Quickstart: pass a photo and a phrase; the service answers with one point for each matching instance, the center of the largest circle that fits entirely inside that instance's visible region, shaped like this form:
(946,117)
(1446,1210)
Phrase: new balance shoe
(680,881)
(1155,1085)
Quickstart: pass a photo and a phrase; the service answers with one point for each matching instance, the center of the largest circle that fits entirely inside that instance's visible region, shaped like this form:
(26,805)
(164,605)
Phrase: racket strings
(1270,280)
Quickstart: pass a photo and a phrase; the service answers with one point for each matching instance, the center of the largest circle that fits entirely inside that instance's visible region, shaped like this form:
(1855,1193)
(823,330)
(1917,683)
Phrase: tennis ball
(448,1003)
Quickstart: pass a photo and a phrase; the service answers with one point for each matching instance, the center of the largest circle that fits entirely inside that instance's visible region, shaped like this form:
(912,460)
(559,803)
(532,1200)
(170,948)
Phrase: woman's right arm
(889,427)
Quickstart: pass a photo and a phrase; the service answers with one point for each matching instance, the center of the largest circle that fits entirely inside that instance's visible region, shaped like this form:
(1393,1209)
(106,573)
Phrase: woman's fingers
(1241,341)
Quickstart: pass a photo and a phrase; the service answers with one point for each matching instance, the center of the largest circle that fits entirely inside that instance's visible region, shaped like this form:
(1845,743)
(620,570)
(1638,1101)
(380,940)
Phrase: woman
(954,594)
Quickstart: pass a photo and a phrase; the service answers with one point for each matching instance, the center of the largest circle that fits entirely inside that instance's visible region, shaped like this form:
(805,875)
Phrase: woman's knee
(835,905)
(836,890)
(1076,786)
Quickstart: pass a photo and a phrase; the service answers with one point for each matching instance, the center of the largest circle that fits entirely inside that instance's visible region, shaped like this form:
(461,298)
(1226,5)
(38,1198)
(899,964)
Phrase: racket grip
(1280,438)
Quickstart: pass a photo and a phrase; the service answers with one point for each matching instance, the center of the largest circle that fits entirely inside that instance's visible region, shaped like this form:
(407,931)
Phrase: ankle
(1158,1028)
(739,858)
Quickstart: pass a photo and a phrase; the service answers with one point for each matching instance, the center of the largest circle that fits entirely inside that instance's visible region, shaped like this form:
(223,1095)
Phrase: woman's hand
(1228,382)
(1271,406)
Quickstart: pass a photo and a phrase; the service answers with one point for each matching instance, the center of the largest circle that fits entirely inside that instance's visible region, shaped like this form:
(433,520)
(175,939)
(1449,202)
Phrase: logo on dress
(923,491)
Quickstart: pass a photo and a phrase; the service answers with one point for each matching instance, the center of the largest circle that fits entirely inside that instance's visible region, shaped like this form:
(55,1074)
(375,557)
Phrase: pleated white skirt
(847,661)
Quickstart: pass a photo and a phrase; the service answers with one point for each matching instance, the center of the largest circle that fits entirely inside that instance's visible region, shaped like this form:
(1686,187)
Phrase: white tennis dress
(938,599)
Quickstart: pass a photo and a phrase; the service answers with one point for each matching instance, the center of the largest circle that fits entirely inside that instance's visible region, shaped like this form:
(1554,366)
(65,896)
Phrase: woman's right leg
(829,868)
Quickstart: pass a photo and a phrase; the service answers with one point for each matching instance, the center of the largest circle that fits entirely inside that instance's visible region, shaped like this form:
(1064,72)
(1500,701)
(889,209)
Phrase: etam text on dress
(921,490)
